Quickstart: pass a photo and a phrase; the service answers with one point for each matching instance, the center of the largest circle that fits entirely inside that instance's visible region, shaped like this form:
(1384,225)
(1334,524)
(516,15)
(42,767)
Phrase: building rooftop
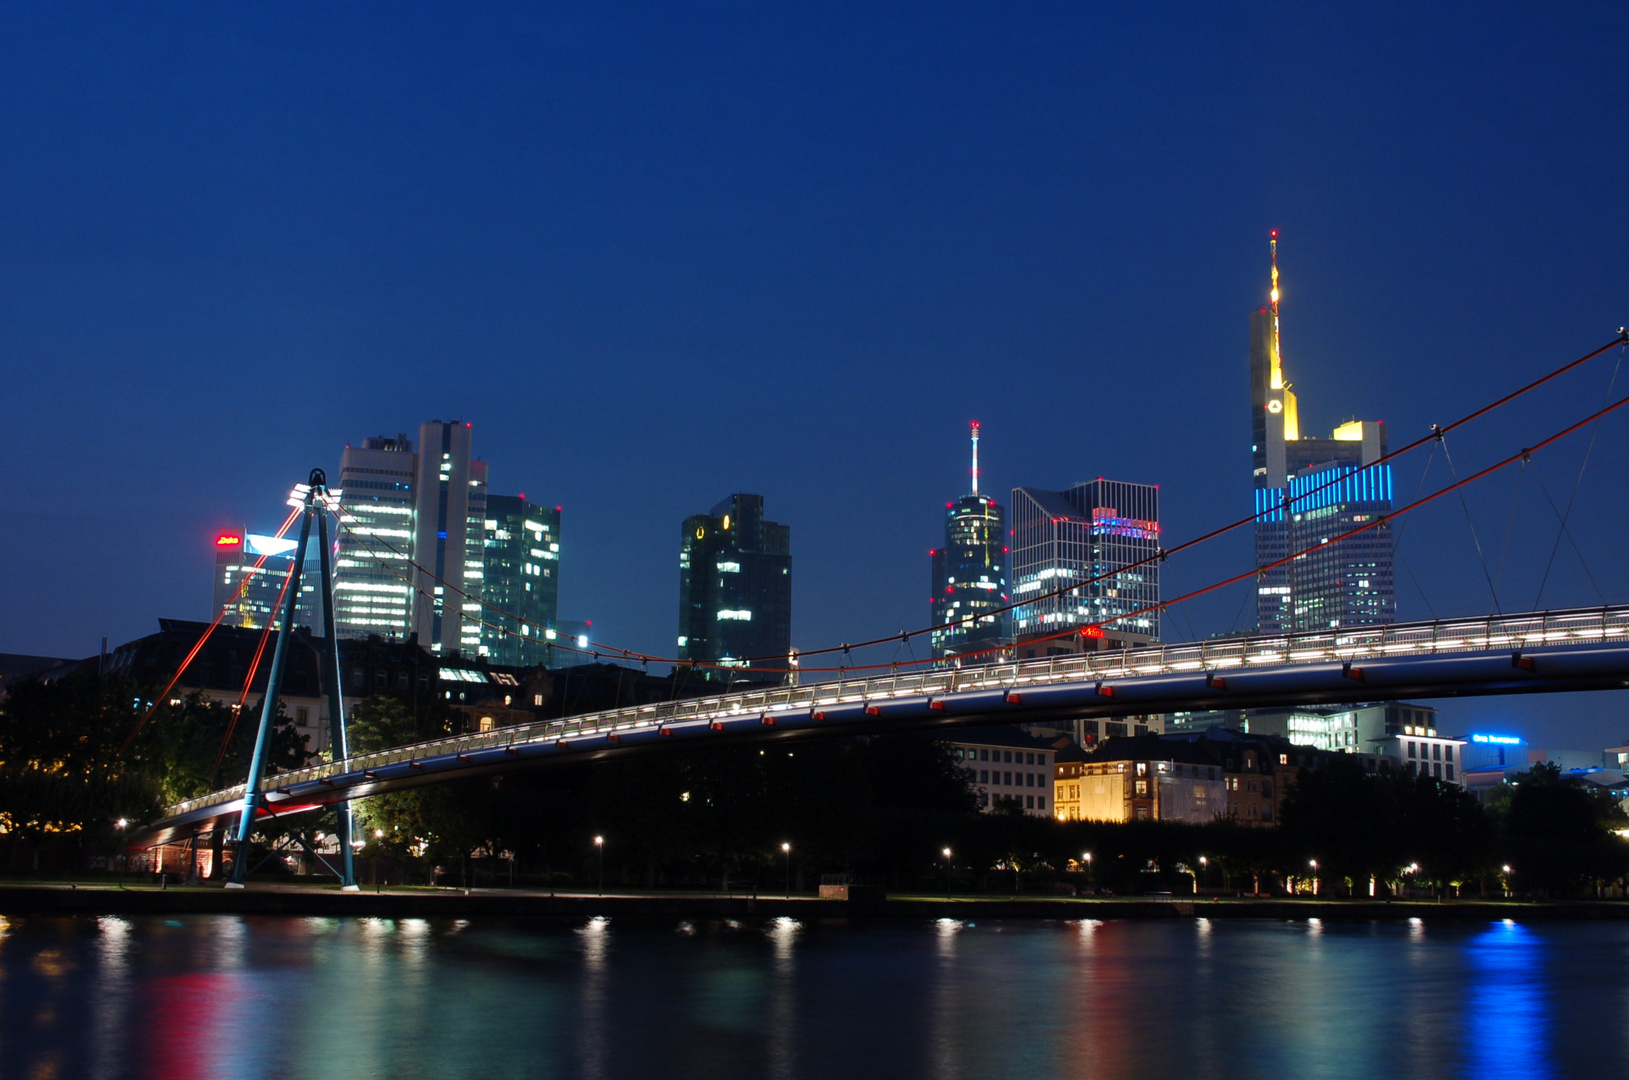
(997,735)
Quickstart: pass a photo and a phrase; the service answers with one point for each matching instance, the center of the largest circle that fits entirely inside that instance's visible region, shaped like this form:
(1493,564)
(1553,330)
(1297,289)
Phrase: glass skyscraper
(1092,530)
(373,590)
(1344,583)
(236,554)
(735,585)
(520,568)
(970,575)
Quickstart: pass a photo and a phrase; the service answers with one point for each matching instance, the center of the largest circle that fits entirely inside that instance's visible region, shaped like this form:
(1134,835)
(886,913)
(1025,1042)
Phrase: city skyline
(856,266)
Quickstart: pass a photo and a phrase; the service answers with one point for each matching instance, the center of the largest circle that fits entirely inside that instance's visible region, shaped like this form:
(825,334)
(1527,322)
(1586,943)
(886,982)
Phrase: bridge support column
(338,746)
(274,685)
(314,498)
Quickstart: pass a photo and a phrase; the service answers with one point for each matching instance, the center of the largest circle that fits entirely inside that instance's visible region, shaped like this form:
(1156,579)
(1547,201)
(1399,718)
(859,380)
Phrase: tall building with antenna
(970,574)
(1308,491)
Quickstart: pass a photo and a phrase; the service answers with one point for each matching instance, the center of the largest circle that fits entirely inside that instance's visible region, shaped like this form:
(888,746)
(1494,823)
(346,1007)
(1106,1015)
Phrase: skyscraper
(373,585)
(735,585)
(1093,530)
(970,573)
(236,554)
(1350,583)
(449,538)
(520,568)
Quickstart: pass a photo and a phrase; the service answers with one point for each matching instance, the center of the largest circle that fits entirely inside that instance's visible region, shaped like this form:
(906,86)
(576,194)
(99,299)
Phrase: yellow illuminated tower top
(1292,420)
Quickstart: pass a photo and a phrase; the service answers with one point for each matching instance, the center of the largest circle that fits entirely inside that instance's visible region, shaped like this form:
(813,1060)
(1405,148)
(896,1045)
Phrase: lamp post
(121,825)
(1314,864)
(599,846)
(948,866)
(1087,859)
(1506,869)
(1203,863)
(786,849)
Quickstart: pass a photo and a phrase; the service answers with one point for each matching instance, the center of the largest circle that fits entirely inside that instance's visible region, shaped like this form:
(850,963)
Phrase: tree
(1560,835)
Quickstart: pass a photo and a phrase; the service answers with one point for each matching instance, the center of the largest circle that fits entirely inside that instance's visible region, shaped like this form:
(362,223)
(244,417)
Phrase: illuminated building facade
(735,585)
(449,536)
(373,592)
(1308,491)
(1089,534)
(236,554)
(970,574)
(521,579)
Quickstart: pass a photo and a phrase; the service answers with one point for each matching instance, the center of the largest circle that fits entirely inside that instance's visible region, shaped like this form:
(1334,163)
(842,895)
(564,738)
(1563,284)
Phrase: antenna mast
(1276,380)
(975,457)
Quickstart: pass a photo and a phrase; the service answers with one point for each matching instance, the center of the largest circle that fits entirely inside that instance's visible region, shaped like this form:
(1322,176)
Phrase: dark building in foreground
(368,667)
(521,580)
(735,585)
(970,574)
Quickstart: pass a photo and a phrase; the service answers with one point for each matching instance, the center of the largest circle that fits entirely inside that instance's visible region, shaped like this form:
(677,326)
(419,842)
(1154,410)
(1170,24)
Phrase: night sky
(658,254)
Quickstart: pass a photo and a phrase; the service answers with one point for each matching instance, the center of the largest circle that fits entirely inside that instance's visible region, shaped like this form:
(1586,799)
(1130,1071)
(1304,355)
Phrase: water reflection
(297,998)
(1507,1020)
(595,1022)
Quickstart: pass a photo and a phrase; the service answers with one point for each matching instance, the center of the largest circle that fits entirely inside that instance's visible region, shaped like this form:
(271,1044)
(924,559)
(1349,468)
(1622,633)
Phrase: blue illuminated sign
(1497,740)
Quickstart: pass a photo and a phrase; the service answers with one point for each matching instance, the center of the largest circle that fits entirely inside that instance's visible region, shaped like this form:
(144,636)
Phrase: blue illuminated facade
(1341,582)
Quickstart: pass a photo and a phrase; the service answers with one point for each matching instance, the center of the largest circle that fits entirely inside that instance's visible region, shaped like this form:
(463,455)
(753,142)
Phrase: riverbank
(521,903)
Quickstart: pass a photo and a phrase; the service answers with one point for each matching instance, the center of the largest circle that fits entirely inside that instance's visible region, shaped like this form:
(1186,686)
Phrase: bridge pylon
(317,502)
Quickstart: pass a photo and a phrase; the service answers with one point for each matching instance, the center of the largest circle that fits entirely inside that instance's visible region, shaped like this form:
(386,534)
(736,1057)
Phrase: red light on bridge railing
(226,540)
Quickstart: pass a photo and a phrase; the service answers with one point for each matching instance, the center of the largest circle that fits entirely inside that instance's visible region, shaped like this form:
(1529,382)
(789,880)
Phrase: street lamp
(599,846)
(1506,869)
(121,825)
(786,849)
(948,865)
(1314,864)
(1203,862)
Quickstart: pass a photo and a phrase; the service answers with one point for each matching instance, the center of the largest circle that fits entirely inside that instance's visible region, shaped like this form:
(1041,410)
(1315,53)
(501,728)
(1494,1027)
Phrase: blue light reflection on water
(1507,1021)
(296,997)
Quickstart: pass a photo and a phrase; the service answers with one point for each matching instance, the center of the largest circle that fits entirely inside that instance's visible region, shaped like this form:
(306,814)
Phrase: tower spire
(1276,379)
(975,457)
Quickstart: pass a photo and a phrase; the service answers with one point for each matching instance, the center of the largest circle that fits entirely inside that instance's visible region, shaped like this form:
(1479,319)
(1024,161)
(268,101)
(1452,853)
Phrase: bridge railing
(1420,639)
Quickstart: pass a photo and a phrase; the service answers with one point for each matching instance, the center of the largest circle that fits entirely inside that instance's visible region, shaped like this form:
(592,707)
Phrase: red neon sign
(226,540)
(1091,631)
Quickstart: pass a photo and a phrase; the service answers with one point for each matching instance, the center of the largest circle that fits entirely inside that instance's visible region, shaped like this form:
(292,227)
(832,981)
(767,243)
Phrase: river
(248,997)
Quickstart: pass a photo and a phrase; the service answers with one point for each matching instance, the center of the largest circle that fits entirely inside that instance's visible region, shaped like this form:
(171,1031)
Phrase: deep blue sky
(657,254)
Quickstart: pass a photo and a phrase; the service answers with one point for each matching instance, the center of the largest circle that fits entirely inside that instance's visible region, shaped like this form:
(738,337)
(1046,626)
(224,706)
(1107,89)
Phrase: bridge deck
(1471,656)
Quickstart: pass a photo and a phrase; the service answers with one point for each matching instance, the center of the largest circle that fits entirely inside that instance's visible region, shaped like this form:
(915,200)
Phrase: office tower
(448,539)
(255,606)
(735,586)
(1350,585)
(1094,530)
(521,579)
(373,573)
(970,574)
